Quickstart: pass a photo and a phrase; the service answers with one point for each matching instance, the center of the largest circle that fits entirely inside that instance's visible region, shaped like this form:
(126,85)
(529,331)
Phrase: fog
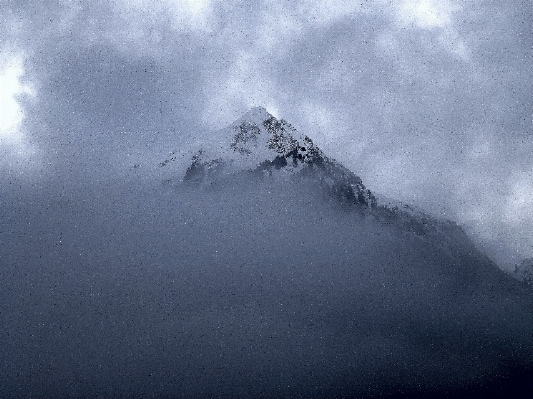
(113,284)
(250,288)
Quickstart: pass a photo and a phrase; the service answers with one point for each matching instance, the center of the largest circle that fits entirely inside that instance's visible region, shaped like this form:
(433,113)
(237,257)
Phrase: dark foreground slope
(255,288)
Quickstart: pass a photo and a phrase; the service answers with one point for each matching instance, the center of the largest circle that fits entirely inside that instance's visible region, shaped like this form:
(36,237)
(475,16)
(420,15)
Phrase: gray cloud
(428,101)
(260,289)
(111,284)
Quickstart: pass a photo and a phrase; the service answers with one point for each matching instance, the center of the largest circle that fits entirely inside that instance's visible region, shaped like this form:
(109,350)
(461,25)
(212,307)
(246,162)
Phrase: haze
(115,284)
(253,289)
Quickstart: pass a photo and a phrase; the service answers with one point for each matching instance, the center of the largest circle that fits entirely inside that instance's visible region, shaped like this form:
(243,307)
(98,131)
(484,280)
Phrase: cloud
(325,12)
(243,86)
(13,88)
(437,16)
(427,14)
(20,158)
(427,100)
(143,17)
(185,13)
(518,210)
(520,204)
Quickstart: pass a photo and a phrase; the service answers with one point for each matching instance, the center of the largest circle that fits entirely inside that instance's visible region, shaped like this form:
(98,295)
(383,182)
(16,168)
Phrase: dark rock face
(246,132)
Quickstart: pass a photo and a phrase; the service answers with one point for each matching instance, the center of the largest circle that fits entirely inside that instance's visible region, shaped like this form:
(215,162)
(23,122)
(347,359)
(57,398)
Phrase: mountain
(260,145)
(264,269)
(417,281)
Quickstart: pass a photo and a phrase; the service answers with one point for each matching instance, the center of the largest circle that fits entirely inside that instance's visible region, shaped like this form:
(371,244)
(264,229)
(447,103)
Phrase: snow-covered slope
(260,145)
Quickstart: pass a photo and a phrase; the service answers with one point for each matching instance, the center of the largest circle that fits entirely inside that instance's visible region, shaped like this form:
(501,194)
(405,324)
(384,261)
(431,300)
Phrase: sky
(428,101)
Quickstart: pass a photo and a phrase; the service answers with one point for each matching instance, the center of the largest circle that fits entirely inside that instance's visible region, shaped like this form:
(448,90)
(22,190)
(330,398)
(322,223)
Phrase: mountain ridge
(258,146)
(261,146)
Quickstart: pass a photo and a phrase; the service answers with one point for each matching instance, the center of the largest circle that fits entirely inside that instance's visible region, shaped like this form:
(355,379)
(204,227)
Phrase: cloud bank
(430,102)
(249,288)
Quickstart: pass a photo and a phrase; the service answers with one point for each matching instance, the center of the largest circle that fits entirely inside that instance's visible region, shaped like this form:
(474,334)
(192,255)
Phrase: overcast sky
(428,101)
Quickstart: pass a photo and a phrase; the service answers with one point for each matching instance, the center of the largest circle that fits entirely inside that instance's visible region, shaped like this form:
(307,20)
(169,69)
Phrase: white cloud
(183,14)
(243,86)
(455,45)
(278,29)
(483,145)
(11,112)
(434,15)
(326,11)
(249,79)
(427,14)
(519,208)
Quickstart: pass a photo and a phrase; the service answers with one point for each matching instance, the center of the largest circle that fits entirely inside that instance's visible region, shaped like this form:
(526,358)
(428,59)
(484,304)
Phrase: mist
(245,289)
(117,279)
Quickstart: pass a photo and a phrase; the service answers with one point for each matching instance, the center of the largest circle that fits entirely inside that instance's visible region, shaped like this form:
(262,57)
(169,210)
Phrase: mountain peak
(257,113)
(256,116)
(259,147)
(260,144)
